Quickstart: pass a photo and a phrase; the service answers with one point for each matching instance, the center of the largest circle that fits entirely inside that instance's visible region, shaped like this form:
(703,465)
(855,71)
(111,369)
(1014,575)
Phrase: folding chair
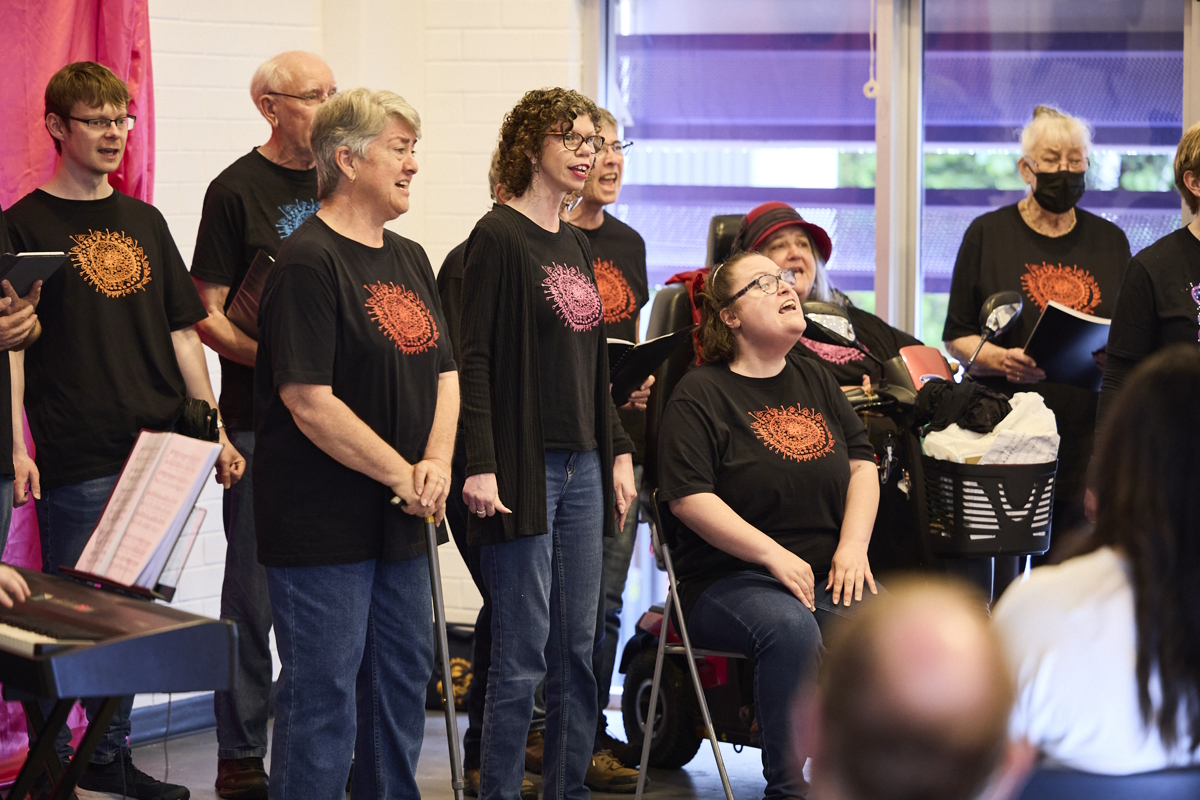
(662,554)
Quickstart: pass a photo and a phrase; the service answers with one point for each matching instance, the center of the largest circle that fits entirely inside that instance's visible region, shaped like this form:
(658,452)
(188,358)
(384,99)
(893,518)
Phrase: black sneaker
(106,781)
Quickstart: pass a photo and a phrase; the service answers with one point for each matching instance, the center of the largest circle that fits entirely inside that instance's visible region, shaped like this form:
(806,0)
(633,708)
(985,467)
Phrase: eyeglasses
(620,148)
(768,283)
(573,141)
(1073,165)
(124,123)
(308,98)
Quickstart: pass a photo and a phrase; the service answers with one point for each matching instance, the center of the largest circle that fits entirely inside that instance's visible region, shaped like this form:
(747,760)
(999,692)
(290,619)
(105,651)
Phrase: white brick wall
(461,64)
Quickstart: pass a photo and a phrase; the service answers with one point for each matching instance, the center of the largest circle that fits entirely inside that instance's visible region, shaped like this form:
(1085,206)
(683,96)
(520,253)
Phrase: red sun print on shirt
(402,316)
(615,295)
(1075,288)
(834,353)
(574,297)
(800,434)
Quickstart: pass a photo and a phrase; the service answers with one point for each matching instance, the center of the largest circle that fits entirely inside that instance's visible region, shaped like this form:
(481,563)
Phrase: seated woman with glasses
(1046,249)
(778,232)
(770,472)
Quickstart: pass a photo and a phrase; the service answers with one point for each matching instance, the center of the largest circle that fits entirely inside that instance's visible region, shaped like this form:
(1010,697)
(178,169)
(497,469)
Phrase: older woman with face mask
(1047,249)
(356,399)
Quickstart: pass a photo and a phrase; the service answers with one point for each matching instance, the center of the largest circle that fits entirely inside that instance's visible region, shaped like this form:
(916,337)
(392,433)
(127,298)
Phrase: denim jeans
(544,593)
(356,642)
(66,517)
(617,552)
(6,509)
(754,614)
(242,713)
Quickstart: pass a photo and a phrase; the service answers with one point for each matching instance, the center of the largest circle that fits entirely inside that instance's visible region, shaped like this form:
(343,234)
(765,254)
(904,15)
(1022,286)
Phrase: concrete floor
(193,761)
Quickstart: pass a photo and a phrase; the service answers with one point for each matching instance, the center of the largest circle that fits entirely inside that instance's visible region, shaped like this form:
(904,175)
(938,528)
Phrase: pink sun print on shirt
(834,353)
(574,297)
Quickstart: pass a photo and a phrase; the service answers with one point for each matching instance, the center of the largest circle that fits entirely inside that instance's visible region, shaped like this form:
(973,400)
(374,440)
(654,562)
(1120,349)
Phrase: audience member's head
(912,701)
(721,300)
(1187,160)
(287,90)
(778,231)
(83,91)
(1147,472)
(539,113)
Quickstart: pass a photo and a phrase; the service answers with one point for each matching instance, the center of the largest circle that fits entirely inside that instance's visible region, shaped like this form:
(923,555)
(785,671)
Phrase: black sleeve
(962,314)
(299,325)
(1116,370)
(1134,332)
(449,283)
(482,270)
(688,452)
(180,296)
(220,242)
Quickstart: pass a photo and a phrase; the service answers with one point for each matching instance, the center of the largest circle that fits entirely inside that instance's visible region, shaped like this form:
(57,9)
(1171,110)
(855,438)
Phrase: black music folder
(1062,344)
(22,269)
(630,364)
(243,311)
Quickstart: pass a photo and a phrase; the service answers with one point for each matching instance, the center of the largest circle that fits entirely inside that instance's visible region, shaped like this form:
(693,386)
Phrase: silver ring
(481,513)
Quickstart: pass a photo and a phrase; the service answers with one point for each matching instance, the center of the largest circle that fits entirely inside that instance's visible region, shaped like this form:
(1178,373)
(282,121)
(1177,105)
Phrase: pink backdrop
(38,38)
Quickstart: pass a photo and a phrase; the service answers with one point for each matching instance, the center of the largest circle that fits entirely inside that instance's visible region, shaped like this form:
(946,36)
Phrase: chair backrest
(672,310)
(1052,784)
(721,231)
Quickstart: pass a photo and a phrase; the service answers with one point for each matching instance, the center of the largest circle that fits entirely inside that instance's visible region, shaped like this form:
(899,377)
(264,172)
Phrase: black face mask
(1058,192)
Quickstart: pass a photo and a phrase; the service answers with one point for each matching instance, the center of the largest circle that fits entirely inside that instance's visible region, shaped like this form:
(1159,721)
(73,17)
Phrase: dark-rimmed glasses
(124,123)
(621,148)
(315,96)
(573,141)
(768,283)
(1073,165)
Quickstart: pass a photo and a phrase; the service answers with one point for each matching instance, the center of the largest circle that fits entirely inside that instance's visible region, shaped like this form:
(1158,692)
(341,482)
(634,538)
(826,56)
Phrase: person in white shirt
(1105,646)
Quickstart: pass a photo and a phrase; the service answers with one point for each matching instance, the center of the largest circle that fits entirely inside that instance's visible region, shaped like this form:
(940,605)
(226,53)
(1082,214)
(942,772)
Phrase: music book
(243,311)
(22,269)
(1062,344)
(630,364)
(150,522)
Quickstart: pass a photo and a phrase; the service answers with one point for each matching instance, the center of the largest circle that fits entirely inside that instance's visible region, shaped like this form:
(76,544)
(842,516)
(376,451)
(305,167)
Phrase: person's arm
(25,470)
(189,353)
(711,518)
(333,427)
(850,568)
(431,475)
(217,331)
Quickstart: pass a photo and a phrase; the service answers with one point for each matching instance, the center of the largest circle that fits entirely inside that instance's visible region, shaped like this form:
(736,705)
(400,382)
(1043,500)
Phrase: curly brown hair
(538,112)
(715,338)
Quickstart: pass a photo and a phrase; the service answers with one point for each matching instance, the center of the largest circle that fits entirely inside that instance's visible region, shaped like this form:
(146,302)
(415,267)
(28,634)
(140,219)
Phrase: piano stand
(43,758)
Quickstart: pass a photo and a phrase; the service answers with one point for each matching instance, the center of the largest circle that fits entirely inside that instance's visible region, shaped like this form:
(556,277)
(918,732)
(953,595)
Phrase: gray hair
(274,73)
(354,119)
(1048,123)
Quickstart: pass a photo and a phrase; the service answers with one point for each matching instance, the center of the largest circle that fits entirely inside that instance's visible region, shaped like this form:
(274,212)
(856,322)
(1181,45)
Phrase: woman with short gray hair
(356,402)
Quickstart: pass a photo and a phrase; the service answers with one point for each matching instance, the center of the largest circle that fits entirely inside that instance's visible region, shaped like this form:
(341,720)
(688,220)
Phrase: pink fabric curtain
(38,38)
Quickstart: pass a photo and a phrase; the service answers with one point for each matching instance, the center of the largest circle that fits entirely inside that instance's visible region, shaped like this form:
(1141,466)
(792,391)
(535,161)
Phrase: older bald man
(913,700)
(253,205)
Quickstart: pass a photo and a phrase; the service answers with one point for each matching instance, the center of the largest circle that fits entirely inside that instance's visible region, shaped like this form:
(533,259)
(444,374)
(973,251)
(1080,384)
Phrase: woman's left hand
(623,485)
(849,571)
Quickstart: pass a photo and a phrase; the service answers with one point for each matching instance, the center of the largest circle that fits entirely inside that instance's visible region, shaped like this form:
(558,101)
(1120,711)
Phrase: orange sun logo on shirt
(402,316)
(1073,287)
(800,434)
(111,262)
(615,294)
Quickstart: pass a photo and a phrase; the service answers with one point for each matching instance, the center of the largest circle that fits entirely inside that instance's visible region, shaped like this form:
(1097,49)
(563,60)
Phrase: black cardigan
(501,409)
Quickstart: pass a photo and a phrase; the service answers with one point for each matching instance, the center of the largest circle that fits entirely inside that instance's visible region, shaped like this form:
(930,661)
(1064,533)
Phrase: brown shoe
(535,746)
(606,774)
(241,779)
(471,785)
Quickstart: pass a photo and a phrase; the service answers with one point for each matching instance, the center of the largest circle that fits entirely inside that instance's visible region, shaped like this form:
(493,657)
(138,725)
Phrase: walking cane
(439,618)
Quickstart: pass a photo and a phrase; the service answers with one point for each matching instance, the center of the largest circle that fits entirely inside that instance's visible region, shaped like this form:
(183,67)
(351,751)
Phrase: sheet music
(1010,447)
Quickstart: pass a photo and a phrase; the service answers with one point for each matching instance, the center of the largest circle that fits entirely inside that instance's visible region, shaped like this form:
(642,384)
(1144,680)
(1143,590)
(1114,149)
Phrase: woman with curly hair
(547,461)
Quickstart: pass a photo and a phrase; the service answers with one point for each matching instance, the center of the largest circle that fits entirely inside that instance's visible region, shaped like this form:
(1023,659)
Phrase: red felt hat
(764,220)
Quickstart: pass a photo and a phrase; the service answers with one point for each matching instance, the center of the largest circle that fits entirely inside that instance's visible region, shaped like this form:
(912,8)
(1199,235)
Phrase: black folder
(22,269)
(1062,344)
(630,364)
(243,310)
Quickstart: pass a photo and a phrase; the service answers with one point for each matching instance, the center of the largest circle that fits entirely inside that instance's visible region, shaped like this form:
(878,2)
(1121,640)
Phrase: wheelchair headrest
(722,230)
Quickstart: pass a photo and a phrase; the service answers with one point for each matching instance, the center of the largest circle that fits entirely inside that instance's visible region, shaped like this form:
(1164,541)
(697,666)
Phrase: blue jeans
(617,552)
(66,517)
(242,713)
(544,591)
(356,642)
(755,615)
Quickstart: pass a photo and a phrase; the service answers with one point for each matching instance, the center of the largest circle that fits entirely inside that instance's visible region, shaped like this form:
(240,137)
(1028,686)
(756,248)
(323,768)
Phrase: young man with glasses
(619,263)
(253,205)
(113,352)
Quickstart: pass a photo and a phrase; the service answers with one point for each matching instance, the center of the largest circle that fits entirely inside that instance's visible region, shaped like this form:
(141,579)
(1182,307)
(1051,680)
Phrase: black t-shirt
(1000,252)
(777,450)
(6,441)
(1160,298)
(848,364)
(619,263)
(449,283)
(569,319)
(104,366)
(367,322)
(253,205)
